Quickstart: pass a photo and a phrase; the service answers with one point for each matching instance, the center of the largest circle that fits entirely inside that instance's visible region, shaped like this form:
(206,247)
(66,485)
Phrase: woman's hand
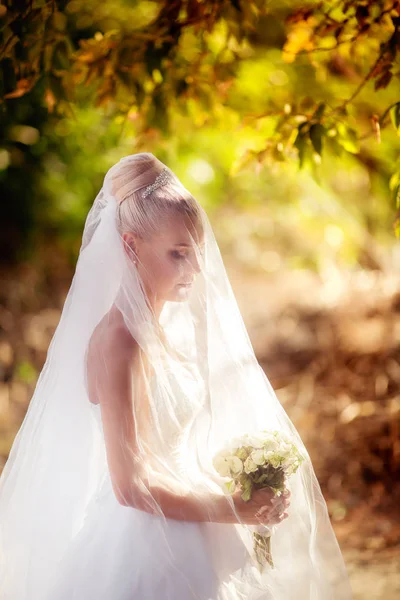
(264,507)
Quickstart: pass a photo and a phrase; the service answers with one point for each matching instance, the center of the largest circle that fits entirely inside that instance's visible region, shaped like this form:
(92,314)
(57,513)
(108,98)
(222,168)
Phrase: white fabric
(103,561)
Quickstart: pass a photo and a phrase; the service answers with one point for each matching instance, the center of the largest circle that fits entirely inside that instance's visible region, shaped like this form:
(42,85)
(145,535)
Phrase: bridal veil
(57,463)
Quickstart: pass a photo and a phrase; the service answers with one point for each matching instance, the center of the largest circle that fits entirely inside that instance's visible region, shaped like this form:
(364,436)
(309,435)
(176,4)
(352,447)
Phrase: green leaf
(317,132)
(397,196)
(26,372)
(348,138)
(247,488)
(230,487)
(317,116)
(395,115)
(262,478)
(300,144)
(56,86)
(60,57)
(242,453)
(383,81)
(394,181)
(396,227)
(59,21)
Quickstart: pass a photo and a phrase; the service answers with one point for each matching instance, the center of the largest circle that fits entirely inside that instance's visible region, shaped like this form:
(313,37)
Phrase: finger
(278,502)
(281,500)
(281,517)
(273,507)
(278,510)
(275,519)
(266,514)
(263,501)
(262,510)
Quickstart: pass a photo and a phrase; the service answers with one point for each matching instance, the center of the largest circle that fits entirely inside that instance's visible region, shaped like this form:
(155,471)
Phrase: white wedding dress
(63,534)
(119,552)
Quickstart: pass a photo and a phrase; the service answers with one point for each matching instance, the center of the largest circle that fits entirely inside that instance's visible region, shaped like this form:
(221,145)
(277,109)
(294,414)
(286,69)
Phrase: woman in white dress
(109,491)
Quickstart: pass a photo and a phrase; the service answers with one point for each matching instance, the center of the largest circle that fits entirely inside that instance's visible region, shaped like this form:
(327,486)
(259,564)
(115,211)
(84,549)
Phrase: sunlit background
(282,119)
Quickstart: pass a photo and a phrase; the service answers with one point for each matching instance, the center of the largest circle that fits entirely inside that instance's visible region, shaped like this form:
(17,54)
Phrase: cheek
(166,272)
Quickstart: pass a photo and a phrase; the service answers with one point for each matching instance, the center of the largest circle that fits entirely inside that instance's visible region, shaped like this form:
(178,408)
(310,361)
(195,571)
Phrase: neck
(156,305)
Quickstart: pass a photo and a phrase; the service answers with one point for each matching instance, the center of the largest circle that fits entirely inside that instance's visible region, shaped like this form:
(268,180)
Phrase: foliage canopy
(316,81)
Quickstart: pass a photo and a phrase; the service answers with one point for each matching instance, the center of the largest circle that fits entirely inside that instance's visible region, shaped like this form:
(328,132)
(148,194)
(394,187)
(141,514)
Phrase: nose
(195,261)
(192,264)
(195,265)
(190,269)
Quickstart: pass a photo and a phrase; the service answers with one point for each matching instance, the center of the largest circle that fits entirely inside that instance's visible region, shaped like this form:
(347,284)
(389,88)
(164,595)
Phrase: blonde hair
(144,215)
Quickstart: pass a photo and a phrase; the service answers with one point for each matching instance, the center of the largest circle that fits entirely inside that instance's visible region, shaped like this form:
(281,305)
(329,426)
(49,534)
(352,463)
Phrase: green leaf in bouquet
(261,478)
(275,477)
(229,487)
(243,477)
(242,453)
(247,489)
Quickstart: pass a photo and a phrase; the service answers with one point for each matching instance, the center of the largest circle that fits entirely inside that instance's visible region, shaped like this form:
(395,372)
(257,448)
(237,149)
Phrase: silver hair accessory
(161,179)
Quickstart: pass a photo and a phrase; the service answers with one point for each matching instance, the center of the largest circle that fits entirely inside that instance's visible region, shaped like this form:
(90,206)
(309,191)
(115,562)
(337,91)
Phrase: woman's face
(168,262)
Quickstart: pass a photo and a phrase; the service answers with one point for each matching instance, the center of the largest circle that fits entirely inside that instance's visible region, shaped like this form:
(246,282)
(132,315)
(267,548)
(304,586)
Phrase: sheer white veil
(58,462)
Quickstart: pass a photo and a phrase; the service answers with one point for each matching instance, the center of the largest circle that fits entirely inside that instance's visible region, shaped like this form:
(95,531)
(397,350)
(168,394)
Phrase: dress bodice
(177,396)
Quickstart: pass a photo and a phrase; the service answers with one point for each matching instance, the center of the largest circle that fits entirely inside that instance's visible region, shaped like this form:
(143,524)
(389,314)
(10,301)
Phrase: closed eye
(177,255)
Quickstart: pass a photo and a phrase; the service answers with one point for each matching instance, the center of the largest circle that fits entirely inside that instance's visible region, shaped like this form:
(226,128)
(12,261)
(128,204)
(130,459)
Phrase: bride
(110,490)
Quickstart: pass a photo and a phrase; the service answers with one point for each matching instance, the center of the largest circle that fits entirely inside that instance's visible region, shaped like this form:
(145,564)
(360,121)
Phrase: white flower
(285,449)
(235,443)
(268,454)
(255,441)
(236,466)
(270,443)
(249,465)
(272,458)
(221,465)
(227,465)
(258,456)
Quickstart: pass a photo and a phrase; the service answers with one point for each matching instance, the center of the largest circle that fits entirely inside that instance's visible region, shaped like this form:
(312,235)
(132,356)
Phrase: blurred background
(283,119)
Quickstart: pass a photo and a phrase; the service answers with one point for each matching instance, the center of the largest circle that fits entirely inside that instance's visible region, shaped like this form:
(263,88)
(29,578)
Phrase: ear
(130,244)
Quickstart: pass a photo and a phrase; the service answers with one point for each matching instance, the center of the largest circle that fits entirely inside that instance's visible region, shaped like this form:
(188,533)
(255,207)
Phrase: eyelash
(177,255)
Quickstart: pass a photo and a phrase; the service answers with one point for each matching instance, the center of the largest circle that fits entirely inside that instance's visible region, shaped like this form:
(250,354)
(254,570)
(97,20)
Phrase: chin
(180,295)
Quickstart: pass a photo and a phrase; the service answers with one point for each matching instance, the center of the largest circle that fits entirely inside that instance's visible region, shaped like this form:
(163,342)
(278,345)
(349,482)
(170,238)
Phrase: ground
(374,577)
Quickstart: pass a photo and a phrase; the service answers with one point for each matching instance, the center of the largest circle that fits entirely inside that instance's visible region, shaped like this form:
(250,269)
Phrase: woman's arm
(184,506)
(177,503)
(112,356)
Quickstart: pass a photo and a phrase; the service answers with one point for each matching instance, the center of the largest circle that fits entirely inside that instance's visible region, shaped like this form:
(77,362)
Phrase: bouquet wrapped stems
(262,546)
(264,459)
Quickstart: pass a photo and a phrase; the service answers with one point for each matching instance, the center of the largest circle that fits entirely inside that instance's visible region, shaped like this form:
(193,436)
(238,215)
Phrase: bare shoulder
(112,352)
(111,340)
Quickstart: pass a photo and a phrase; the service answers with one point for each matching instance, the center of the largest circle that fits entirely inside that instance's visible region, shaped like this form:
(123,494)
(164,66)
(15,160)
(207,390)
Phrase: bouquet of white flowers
(264,459)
